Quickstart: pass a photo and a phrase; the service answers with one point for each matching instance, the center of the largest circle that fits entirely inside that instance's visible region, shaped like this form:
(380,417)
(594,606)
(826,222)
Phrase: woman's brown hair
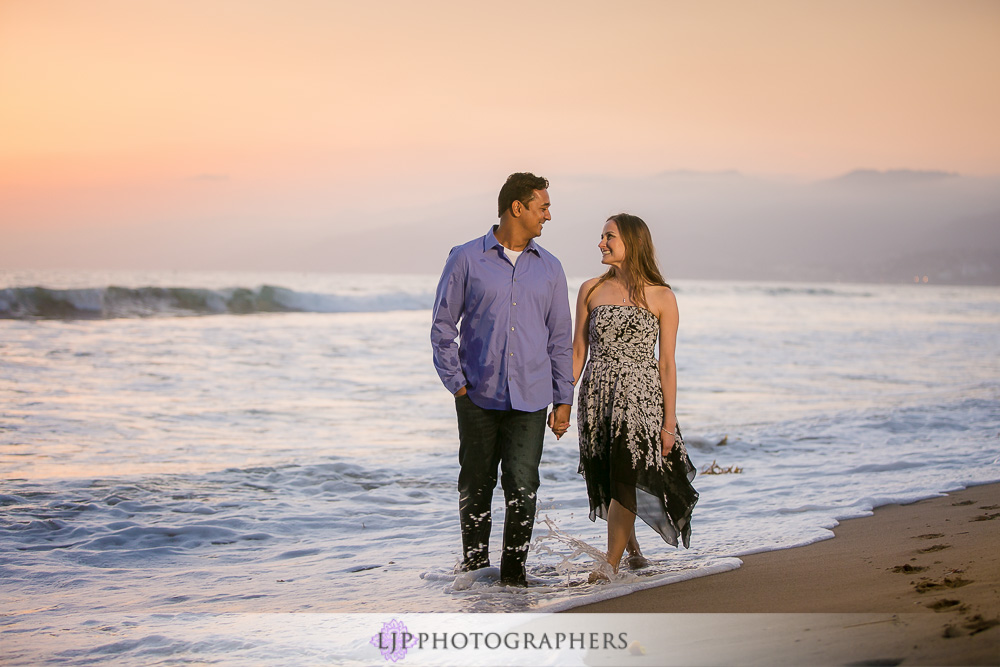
(639,267)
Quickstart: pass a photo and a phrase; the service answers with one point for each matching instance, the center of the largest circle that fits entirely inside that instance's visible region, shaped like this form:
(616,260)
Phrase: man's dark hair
(519,187)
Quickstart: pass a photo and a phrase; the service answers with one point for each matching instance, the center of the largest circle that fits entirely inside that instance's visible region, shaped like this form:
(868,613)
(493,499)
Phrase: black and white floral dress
(620,413)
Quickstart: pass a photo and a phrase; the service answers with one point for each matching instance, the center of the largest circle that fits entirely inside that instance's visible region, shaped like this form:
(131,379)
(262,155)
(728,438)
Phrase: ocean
(178,444)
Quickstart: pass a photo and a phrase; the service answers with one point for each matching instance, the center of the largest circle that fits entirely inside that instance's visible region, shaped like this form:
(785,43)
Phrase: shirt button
(512,354)
(512,328)
(515,303)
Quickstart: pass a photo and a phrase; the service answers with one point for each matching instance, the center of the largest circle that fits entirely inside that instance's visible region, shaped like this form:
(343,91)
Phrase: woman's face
(611,245)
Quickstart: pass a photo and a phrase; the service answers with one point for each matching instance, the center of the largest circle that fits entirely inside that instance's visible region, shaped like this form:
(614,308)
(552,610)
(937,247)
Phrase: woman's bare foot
(603,572)
(636,561)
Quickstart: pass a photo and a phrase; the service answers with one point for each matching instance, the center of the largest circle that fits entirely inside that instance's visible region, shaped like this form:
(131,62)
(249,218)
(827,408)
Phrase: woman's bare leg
(633,544)
(635,560)
(621,523)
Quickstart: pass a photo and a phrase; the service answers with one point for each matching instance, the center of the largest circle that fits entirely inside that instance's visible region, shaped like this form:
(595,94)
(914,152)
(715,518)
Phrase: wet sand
(926,577)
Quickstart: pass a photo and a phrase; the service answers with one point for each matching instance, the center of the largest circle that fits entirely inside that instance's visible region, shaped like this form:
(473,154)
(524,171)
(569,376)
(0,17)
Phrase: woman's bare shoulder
(660,298)
(589,283)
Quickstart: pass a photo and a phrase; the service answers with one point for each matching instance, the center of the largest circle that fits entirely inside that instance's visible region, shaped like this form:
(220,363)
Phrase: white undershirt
(512,255)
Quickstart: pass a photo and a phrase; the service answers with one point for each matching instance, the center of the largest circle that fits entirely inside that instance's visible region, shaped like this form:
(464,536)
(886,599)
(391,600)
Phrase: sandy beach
(929,572)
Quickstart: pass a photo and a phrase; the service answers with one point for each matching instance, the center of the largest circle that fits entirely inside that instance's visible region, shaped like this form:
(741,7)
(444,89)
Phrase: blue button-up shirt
(514,347)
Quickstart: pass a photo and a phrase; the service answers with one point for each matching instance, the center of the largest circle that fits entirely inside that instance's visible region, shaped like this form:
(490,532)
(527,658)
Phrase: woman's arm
(580,341)
(559,428)
(665,307)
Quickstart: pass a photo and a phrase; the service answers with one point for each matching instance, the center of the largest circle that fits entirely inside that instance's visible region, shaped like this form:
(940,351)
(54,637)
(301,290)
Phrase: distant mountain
(864,226)
(730,226)
(971,266)
(871,177)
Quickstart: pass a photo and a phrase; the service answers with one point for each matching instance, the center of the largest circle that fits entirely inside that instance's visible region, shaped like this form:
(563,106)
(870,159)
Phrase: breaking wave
(118,302)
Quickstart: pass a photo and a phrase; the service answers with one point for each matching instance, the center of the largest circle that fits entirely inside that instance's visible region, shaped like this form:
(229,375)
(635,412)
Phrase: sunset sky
(116,113)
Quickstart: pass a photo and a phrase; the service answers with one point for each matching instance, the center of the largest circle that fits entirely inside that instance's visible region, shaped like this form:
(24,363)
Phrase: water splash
(567,564)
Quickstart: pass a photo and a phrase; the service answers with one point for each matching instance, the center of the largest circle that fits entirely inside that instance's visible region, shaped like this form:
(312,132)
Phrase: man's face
(535,214)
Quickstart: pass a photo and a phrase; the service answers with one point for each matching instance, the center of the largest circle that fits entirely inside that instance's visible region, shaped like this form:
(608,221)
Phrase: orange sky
(113,111)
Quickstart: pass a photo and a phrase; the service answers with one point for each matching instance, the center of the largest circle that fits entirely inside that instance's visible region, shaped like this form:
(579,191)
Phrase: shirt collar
(490,241)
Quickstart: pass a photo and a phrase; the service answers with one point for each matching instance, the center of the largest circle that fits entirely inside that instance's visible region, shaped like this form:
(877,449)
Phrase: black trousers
(512,440)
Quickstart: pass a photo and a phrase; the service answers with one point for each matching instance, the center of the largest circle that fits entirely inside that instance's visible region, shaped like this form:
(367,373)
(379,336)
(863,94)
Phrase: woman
(631,451)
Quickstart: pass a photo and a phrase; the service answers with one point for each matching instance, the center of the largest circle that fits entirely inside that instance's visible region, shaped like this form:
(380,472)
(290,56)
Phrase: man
(513,358)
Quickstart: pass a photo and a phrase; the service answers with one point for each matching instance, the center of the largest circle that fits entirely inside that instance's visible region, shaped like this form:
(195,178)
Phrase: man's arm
(449,305)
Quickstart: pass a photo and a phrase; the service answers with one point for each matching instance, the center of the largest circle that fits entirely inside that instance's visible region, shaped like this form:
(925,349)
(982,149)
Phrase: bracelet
(666,430)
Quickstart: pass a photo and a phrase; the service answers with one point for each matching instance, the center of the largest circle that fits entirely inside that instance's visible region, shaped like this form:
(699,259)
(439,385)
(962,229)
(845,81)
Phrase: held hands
(669,437)
(559,419)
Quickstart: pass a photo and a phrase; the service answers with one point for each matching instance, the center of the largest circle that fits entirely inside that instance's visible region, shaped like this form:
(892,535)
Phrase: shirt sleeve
(560,326)
(449,305)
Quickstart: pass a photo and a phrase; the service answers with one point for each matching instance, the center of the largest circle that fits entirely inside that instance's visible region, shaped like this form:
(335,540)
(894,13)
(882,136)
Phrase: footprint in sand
(948,582)
(985,517)
(908,569)
(990,507)
(929,536)
(936,547)
(977,624)
(964,502)
(948,605)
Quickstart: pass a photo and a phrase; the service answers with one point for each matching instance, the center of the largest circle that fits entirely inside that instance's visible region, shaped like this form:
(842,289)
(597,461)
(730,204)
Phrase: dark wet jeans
(512,440)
